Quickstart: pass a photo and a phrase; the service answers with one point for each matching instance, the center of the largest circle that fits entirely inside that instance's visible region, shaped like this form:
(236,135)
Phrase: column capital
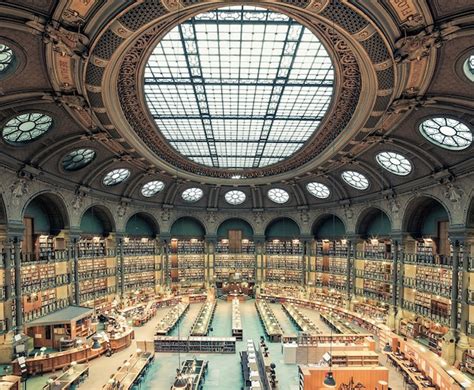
(15,230)
(211,238)
(259,238)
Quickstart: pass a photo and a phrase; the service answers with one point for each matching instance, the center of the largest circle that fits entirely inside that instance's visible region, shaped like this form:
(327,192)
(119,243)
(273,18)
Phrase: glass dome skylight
(238,87)
(278,195)
(319,190)
(447,133)
(469,67)
(394,163)
(152,188)
(235,197)
(355,179)
(192,194)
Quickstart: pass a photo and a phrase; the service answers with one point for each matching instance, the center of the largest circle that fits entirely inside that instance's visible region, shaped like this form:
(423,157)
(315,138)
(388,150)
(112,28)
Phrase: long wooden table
(69,378)
(127,375)
(411,371)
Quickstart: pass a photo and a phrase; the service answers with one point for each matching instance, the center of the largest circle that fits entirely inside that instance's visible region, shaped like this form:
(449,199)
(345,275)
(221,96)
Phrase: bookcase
(284,268)
(187,260)
(228,264)
(434,279)
(139,263)
(97,269)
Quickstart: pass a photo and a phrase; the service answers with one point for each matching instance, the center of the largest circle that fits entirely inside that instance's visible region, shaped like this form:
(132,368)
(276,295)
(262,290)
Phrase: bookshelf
(139,263)
(187,260)
(97,270)
(284,268)
(227,265)
(354,358)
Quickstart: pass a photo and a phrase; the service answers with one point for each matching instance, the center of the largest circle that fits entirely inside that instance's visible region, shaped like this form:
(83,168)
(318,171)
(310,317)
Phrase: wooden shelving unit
(187,260)
(195,344)
(355,358)
(227,265)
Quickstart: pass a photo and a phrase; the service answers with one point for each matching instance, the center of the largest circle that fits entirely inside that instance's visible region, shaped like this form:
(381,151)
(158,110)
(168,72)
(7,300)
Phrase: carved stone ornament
(211,217)
(454,194)
(19,188)
(122,209)
(75,102)
(348,212)
(403,105)
(65,42)
(78,202)
(258,218)
(415,47)
(394,205)
(165,215)
(304,217)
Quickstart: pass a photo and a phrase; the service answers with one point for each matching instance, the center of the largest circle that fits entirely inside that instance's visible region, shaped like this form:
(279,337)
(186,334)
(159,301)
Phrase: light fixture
(329,380)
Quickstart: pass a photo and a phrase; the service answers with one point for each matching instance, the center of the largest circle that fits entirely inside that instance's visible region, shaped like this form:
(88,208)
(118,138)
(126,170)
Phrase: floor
(224,370)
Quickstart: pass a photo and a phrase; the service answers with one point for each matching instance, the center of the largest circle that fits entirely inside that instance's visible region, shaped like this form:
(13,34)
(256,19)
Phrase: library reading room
(236,194)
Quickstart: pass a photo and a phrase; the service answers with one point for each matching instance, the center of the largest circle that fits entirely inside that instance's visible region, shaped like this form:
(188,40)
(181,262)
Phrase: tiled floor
(224,370)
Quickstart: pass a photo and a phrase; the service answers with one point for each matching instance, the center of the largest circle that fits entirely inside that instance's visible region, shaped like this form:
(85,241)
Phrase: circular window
(447,133)
(278,195)
(192,194)
(355,179)
(7,58)
(394,162)
(318,190)
(235,197)
(26,127)
(116,176)
(152,188)
(468,67)
(78,159)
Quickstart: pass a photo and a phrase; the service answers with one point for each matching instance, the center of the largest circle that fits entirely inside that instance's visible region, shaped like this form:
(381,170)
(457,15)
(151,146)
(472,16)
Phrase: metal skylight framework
(238,87)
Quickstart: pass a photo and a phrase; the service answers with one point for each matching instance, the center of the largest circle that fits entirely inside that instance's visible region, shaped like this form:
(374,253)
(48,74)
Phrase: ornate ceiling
(78,69)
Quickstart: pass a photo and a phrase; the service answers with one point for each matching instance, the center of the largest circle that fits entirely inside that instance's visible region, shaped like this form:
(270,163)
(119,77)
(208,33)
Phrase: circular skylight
(192,194)
(355,179)
(318,190)
(26,127)
(78,159)
(394,162)
(6,58)
(447,133)
(468,67)
(278,195)
(116,176)
(235,197)
(152,188)
(238,87)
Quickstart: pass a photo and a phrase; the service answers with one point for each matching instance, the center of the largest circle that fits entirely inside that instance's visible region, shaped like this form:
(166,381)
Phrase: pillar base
(449,347)
(391,317)
(462,346)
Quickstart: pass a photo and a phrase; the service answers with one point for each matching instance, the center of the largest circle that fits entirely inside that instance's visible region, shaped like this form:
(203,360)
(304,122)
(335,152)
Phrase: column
(75,253)
(449,339)
(259,259)
(209,271)
(306,241)
(166,264)
(18,292)
(70,257)
(391,320)
(8,255)
(349,272)
(120,280)
(399,282)
(463,341)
